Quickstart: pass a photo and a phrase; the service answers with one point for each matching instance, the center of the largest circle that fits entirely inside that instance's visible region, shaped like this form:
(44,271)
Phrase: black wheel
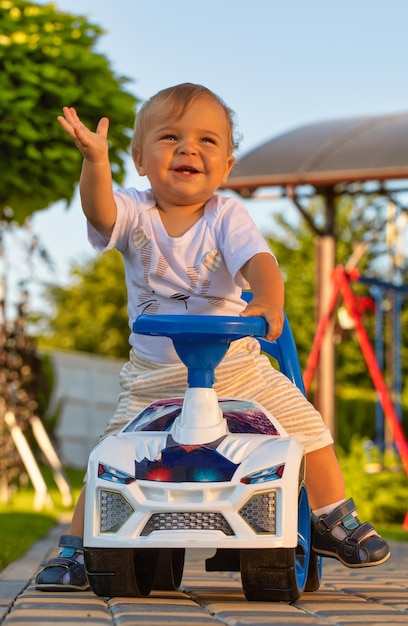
(279,574)
(124,572)
(224,560)
(314,574)
(169,570)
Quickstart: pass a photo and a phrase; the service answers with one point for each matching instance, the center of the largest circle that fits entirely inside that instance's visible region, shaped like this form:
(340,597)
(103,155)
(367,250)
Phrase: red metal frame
(342,287)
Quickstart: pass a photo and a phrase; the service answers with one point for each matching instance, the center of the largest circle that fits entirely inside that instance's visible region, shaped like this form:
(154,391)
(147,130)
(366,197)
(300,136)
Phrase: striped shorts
(244,373)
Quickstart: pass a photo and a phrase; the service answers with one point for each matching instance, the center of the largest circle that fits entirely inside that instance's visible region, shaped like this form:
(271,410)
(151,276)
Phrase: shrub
(382,497)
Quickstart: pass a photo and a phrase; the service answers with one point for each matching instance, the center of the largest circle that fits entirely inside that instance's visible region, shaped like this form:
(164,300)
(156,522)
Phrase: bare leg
(77,522)
(324,478)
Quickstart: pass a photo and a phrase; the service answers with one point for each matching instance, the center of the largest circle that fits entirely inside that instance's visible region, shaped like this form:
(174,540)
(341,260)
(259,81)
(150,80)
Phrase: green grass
(21,526)
(19,531)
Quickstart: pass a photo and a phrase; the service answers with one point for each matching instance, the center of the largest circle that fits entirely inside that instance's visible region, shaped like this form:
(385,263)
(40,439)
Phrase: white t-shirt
(196,274)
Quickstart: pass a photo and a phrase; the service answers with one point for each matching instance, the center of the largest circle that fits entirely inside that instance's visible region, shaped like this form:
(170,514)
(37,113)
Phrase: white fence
(87,386)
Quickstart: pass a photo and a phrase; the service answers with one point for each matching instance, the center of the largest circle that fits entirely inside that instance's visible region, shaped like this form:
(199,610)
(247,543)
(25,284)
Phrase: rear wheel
(169,570)
(124,572)
(314,574)
(279,574)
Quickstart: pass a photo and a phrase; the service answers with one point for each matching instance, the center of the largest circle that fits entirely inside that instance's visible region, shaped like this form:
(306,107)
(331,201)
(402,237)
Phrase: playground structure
(341,286)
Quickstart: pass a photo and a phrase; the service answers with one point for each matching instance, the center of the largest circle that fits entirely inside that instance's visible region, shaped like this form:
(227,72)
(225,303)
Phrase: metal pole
(325,395)
(378,295)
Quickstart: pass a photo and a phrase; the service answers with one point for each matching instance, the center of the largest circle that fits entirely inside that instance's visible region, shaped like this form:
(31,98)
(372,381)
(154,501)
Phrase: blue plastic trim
(184,326)
(201,342)
(283,350)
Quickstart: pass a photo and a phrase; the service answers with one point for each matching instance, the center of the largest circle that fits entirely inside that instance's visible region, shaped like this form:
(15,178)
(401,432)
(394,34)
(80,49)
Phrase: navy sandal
(356,544)
(64,572)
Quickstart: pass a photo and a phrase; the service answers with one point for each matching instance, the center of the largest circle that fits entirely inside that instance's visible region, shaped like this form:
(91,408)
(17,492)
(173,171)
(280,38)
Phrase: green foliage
(47,61)
(294,249)
(21,526)
(91,314)
(355,415)
(19,531)
(381,498)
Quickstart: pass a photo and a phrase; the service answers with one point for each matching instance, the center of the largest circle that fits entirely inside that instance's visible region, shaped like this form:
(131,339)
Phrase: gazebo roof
(327,153)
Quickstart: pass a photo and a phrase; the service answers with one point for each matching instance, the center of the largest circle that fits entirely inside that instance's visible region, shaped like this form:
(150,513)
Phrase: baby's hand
(93,146)
(272,312)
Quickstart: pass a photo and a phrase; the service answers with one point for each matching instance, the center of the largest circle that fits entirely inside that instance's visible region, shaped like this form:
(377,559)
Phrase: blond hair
(174,101)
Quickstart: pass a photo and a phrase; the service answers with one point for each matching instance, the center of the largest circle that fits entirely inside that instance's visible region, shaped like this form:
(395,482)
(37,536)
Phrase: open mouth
(186,169)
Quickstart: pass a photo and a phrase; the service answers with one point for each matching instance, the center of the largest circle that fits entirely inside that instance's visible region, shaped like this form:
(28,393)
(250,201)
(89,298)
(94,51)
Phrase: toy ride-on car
(201,472)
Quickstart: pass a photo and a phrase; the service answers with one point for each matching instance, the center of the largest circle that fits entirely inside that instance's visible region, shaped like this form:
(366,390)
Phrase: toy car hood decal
(242,417)
(179,463)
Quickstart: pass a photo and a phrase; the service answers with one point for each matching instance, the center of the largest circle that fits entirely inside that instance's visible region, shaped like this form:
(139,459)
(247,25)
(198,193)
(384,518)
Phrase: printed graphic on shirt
(146,260)
(193,276)
(148,302)
(140,238)
(212,260)
(146,294)
(162,266)
(181,297)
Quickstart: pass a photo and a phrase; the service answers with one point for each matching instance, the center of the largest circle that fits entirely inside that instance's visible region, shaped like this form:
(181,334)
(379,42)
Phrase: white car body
(195,485)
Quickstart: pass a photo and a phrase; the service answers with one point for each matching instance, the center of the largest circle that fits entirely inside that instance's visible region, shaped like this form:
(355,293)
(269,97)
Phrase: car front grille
(115,510)
(187,520)
(259,512)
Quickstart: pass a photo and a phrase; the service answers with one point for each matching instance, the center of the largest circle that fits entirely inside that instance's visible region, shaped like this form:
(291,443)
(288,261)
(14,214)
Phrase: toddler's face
(188,158)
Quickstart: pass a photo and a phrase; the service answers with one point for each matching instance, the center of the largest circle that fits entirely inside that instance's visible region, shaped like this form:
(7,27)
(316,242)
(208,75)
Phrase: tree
(91,313)
(47,60)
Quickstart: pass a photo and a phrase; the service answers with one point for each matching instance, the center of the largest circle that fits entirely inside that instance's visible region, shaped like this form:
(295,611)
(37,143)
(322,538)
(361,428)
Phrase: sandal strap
(71,541)
(61,561)
(75,569)
(339,513)
(361,532)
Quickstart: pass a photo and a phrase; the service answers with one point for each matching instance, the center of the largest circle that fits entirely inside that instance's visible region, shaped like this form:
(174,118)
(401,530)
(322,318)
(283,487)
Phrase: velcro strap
(339,513)
(70,541)
(60,561)
(361,532)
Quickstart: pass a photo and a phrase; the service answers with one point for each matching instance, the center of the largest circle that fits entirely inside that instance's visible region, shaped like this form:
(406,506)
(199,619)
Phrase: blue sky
(278,63)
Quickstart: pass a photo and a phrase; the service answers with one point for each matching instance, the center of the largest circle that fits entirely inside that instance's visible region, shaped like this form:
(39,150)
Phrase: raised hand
(93,146)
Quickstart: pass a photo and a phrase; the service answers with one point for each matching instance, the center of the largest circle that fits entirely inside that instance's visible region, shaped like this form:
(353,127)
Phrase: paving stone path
(375,595)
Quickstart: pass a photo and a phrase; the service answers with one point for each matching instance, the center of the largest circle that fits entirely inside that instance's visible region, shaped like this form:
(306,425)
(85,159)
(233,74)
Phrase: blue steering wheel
(201,341)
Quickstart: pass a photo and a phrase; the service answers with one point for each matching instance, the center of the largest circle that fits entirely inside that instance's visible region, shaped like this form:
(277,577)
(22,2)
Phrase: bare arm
(95,185)
(264,276)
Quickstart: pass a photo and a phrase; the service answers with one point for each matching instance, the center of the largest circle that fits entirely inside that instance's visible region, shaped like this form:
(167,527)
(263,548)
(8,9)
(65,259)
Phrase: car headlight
(106,472)
(263,476)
